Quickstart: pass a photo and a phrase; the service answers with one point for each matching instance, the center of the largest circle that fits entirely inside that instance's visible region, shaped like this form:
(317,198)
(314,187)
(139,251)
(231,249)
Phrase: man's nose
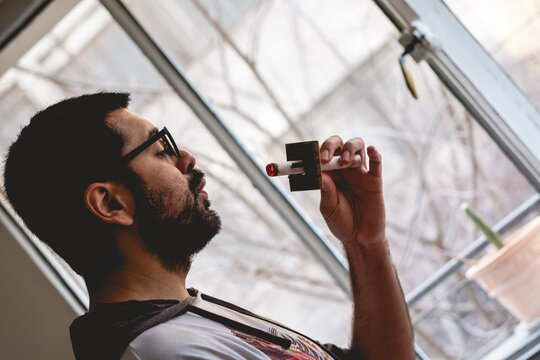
(186,162)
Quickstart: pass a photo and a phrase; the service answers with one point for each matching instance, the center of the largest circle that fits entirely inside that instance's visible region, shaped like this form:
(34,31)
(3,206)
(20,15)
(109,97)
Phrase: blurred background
(275,72)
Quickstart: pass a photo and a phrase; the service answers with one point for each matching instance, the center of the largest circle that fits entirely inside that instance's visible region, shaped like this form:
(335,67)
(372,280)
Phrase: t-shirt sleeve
(130,354)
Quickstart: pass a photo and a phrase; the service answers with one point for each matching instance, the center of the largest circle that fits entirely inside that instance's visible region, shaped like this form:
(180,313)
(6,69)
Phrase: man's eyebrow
(152,132)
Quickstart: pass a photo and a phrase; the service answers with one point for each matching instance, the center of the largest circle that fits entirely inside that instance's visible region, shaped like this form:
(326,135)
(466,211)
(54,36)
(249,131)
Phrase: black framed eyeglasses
(164,136)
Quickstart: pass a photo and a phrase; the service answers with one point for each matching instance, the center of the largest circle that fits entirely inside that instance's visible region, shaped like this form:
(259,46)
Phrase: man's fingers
(330,147)
(375,161)
(352,147)
(334,146)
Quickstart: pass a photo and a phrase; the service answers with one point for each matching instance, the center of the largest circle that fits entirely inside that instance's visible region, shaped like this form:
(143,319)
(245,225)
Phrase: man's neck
(142,282)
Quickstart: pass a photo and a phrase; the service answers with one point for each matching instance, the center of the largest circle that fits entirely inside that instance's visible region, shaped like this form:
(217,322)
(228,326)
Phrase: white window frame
(472,75)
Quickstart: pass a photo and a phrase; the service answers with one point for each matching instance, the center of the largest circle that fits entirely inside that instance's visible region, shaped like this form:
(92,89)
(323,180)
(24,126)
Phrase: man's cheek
(178,201)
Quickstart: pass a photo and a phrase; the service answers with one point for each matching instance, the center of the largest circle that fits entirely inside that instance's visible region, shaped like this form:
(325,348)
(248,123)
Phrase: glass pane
(508,30)
(285,71)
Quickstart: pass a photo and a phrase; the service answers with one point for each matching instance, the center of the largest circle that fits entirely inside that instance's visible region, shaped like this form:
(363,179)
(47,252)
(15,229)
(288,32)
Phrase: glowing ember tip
(271,169)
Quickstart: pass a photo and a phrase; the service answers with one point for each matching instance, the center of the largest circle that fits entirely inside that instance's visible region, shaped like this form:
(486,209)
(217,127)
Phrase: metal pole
(321,248)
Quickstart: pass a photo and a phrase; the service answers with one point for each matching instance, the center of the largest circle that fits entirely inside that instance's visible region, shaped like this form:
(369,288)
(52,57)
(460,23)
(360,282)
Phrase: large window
(285,71)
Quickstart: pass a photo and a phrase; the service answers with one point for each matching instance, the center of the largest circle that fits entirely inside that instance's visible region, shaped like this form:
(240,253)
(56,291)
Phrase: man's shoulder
(106,332)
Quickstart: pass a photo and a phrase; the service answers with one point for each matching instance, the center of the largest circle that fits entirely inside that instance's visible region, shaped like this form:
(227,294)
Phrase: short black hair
(63,149)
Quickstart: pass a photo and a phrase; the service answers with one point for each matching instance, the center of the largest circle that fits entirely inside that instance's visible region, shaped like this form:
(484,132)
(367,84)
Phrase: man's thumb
(328,195)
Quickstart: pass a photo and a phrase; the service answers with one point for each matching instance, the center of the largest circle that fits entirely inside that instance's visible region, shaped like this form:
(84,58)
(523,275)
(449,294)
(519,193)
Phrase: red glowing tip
(271,169)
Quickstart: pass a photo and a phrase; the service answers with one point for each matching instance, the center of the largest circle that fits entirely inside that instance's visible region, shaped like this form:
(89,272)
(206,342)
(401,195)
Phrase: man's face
(172,210)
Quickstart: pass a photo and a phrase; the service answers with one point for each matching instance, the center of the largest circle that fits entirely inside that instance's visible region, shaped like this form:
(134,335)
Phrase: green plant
(492,236)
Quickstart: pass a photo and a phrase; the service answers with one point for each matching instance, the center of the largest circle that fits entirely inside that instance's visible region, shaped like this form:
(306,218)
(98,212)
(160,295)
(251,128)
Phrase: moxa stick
(297,167)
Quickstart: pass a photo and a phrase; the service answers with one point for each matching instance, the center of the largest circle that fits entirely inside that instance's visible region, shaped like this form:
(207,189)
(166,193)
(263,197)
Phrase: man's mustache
(195,180)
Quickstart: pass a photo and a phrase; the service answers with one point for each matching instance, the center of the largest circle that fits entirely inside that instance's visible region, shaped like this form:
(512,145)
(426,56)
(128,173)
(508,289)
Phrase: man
(127,210)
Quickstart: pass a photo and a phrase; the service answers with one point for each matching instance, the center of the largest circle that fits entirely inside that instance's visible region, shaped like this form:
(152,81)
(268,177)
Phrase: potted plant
(511,273)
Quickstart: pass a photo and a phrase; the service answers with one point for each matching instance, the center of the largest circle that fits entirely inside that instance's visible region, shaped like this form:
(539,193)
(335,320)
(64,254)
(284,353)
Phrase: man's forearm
(382,327)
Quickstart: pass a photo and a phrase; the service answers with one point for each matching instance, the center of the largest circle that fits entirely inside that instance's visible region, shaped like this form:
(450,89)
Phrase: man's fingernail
(346,156)
(324,155)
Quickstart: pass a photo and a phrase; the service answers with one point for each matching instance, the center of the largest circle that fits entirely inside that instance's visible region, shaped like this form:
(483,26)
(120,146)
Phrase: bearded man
(126,208)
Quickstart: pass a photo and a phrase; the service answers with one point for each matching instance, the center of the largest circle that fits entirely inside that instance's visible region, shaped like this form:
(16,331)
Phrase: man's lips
(199,189)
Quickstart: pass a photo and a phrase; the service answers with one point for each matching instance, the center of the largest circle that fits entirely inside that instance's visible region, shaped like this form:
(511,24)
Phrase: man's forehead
(131,126)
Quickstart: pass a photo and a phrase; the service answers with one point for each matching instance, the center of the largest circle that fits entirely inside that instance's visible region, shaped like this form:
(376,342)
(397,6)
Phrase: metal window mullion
(321,248)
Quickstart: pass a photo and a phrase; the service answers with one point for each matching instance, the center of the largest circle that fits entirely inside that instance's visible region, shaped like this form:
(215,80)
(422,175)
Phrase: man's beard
(174,239)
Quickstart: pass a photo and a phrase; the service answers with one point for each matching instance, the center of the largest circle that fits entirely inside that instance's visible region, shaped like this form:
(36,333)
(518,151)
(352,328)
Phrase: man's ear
(110,202)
